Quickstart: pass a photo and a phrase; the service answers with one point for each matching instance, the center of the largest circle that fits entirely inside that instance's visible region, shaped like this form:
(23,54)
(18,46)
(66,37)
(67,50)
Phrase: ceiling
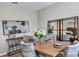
(32,6)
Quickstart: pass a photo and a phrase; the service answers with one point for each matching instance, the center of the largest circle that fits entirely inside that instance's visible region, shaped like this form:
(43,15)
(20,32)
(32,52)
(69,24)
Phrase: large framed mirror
(65,28)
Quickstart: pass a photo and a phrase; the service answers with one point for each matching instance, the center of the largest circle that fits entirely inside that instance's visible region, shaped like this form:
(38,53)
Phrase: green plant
(17,21)
(22,23)
(69,32)
(5,22)
(40,34)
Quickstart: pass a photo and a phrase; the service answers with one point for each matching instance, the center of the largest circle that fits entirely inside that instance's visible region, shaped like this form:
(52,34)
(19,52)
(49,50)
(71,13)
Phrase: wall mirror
(64,29)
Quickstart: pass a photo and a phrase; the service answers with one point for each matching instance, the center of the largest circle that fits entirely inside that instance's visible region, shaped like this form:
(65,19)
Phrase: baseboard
(3,54)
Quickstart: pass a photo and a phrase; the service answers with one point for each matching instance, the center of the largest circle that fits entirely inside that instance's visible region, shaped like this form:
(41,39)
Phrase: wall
(57,11)
(15,13)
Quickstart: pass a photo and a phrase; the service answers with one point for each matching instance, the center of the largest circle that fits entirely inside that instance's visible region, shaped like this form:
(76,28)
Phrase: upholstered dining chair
(51,37)
(28,49)
(72,51)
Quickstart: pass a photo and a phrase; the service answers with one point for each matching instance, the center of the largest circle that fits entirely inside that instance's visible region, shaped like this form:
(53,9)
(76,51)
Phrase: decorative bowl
(56,45)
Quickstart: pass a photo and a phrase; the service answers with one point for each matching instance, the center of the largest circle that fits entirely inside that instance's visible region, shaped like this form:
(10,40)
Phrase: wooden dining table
(47,49)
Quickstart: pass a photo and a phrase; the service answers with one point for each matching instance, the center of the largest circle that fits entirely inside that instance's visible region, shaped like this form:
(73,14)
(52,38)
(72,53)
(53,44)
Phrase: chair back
(28,50)
(72,51)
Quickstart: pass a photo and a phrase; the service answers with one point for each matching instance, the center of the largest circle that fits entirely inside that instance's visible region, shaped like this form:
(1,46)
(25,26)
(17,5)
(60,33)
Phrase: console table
(14,46)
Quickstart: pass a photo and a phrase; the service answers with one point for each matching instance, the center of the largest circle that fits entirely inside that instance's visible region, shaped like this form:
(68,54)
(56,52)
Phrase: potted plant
(69,32)
(40,34)
(22,23)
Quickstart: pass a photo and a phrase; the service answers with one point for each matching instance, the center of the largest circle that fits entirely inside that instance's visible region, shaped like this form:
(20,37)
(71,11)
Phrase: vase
(40,41)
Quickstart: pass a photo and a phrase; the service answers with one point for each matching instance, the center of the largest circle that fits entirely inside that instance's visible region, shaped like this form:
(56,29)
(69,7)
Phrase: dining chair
(66,37)
(28,49)
(72,51)
(51,37)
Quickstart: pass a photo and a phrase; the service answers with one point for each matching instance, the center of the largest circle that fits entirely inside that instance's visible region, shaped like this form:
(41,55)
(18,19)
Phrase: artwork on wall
(14,27)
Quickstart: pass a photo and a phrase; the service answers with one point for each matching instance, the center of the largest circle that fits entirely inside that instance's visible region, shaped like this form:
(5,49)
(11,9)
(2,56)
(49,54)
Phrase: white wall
(15,13)
(57,11)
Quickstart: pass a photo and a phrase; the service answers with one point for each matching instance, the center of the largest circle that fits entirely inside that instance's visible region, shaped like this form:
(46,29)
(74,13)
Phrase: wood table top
(49,50)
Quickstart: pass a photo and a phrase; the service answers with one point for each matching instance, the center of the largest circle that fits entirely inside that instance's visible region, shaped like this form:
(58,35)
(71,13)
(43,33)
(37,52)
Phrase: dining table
(49,50)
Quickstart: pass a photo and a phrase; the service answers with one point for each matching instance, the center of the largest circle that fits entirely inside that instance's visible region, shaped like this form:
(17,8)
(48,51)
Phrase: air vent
(14,2)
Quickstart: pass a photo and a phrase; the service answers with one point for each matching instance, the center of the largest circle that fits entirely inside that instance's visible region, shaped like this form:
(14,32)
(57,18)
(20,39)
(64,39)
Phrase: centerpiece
(40,34)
